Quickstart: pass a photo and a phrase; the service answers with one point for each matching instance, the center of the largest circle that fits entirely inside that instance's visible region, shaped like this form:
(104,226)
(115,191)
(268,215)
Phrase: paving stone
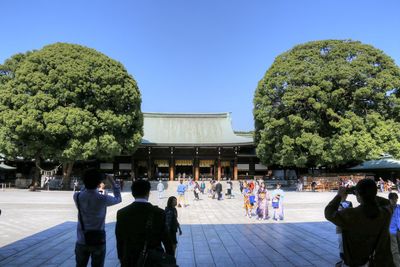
(215,233)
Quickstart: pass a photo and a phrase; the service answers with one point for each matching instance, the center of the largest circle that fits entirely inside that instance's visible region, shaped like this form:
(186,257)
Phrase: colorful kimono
(277,197)
(262,207)
(247,205)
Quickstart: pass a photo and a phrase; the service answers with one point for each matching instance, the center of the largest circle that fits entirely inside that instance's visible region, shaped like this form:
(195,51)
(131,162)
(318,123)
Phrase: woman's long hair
(170,201)
(366,189)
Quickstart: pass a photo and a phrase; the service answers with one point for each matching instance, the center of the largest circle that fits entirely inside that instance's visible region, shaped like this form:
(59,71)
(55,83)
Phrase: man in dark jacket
(218,189)
(365,229)
(130,229)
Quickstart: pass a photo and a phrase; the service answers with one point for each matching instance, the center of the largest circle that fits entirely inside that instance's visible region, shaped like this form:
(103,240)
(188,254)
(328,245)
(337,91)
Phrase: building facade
(197,145)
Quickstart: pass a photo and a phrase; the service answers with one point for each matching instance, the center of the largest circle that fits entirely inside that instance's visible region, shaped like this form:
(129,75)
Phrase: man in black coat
(130,229)
(218,189)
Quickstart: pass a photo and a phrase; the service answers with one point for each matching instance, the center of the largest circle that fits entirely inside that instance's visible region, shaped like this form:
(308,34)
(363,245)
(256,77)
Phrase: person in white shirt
(92,208)
(160,189)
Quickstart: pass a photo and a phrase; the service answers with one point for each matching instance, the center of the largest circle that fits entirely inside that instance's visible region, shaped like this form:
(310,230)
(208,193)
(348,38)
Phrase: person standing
(229,187)
(75,185)
(365,229)
(92,208)
(381,184)
(299,185)
(395,228)
(209,188)
(181,194)
(248,207)
(263,200)
(277,203)
(218,189)
(160,189)
(214,189)
(171,220)
(138,224)
(196,191)
(202,187)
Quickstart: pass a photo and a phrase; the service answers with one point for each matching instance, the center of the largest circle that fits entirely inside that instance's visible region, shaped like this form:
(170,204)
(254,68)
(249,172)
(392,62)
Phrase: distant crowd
(257,200)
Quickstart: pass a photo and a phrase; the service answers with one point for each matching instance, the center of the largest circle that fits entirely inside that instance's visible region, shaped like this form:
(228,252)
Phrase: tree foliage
(68,102)
(328,103)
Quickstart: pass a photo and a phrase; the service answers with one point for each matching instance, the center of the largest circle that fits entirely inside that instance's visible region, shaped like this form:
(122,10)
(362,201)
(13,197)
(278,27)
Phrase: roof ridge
(186,115)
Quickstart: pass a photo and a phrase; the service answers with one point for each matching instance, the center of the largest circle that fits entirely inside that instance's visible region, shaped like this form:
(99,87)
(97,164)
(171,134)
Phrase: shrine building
(197,145)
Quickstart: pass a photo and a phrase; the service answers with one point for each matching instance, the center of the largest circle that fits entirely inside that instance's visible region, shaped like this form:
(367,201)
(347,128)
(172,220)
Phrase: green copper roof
(186,129)
(386,162)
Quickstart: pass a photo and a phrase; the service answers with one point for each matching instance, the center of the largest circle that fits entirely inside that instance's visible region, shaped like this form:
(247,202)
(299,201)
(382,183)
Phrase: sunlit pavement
(38,229)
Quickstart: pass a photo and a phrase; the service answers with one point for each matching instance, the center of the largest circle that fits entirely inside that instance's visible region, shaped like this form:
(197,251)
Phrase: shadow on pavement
(256,244)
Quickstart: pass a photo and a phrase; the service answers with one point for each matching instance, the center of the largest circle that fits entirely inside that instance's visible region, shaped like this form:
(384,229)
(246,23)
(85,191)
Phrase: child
(171,220)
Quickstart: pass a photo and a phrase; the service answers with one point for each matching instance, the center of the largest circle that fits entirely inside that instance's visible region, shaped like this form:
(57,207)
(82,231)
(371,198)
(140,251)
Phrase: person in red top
(251,186)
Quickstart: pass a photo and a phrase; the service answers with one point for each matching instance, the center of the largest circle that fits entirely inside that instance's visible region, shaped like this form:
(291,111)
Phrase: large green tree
(328,103)
(68,102)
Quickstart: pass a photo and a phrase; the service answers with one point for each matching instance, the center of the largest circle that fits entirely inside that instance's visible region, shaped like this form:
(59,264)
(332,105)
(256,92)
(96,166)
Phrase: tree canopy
(328,103)
(68,102)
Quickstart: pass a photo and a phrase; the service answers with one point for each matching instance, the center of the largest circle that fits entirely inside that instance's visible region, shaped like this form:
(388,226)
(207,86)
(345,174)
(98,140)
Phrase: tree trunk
(67,170)
(36,176)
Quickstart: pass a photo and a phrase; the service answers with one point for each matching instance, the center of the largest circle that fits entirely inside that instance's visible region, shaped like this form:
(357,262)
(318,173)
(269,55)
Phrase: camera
(351,190)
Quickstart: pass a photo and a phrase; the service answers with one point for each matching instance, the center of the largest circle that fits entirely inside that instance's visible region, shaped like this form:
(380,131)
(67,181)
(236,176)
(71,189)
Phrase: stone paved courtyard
(38,229)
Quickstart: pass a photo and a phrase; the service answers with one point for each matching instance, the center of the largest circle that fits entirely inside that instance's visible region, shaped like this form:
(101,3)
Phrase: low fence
(6,185)
(331,181)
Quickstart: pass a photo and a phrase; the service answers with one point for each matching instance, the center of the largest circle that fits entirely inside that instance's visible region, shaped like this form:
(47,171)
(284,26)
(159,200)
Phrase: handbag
(252,199)
(275,204)
(92,237)
(154,257)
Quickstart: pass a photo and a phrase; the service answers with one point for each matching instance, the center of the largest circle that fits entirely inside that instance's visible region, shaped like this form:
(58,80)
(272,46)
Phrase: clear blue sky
(197,55)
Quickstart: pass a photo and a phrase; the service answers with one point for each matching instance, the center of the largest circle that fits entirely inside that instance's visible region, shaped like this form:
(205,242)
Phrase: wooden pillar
(196,170)
(171,169)
(149,166)
(219,170)
(235,170)
(149,169)
(171,165)
(196,163)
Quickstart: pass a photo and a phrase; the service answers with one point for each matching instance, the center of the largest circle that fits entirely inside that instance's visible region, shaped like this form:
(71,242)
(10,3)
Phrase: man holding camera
(92,207)
(365,229)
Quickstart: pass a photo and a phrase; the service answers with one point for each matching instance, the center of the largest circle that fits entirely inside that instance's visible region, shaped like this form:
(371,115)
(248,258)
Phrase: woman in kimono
(277,203)
(196,191)
(247,205)
(263,200)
